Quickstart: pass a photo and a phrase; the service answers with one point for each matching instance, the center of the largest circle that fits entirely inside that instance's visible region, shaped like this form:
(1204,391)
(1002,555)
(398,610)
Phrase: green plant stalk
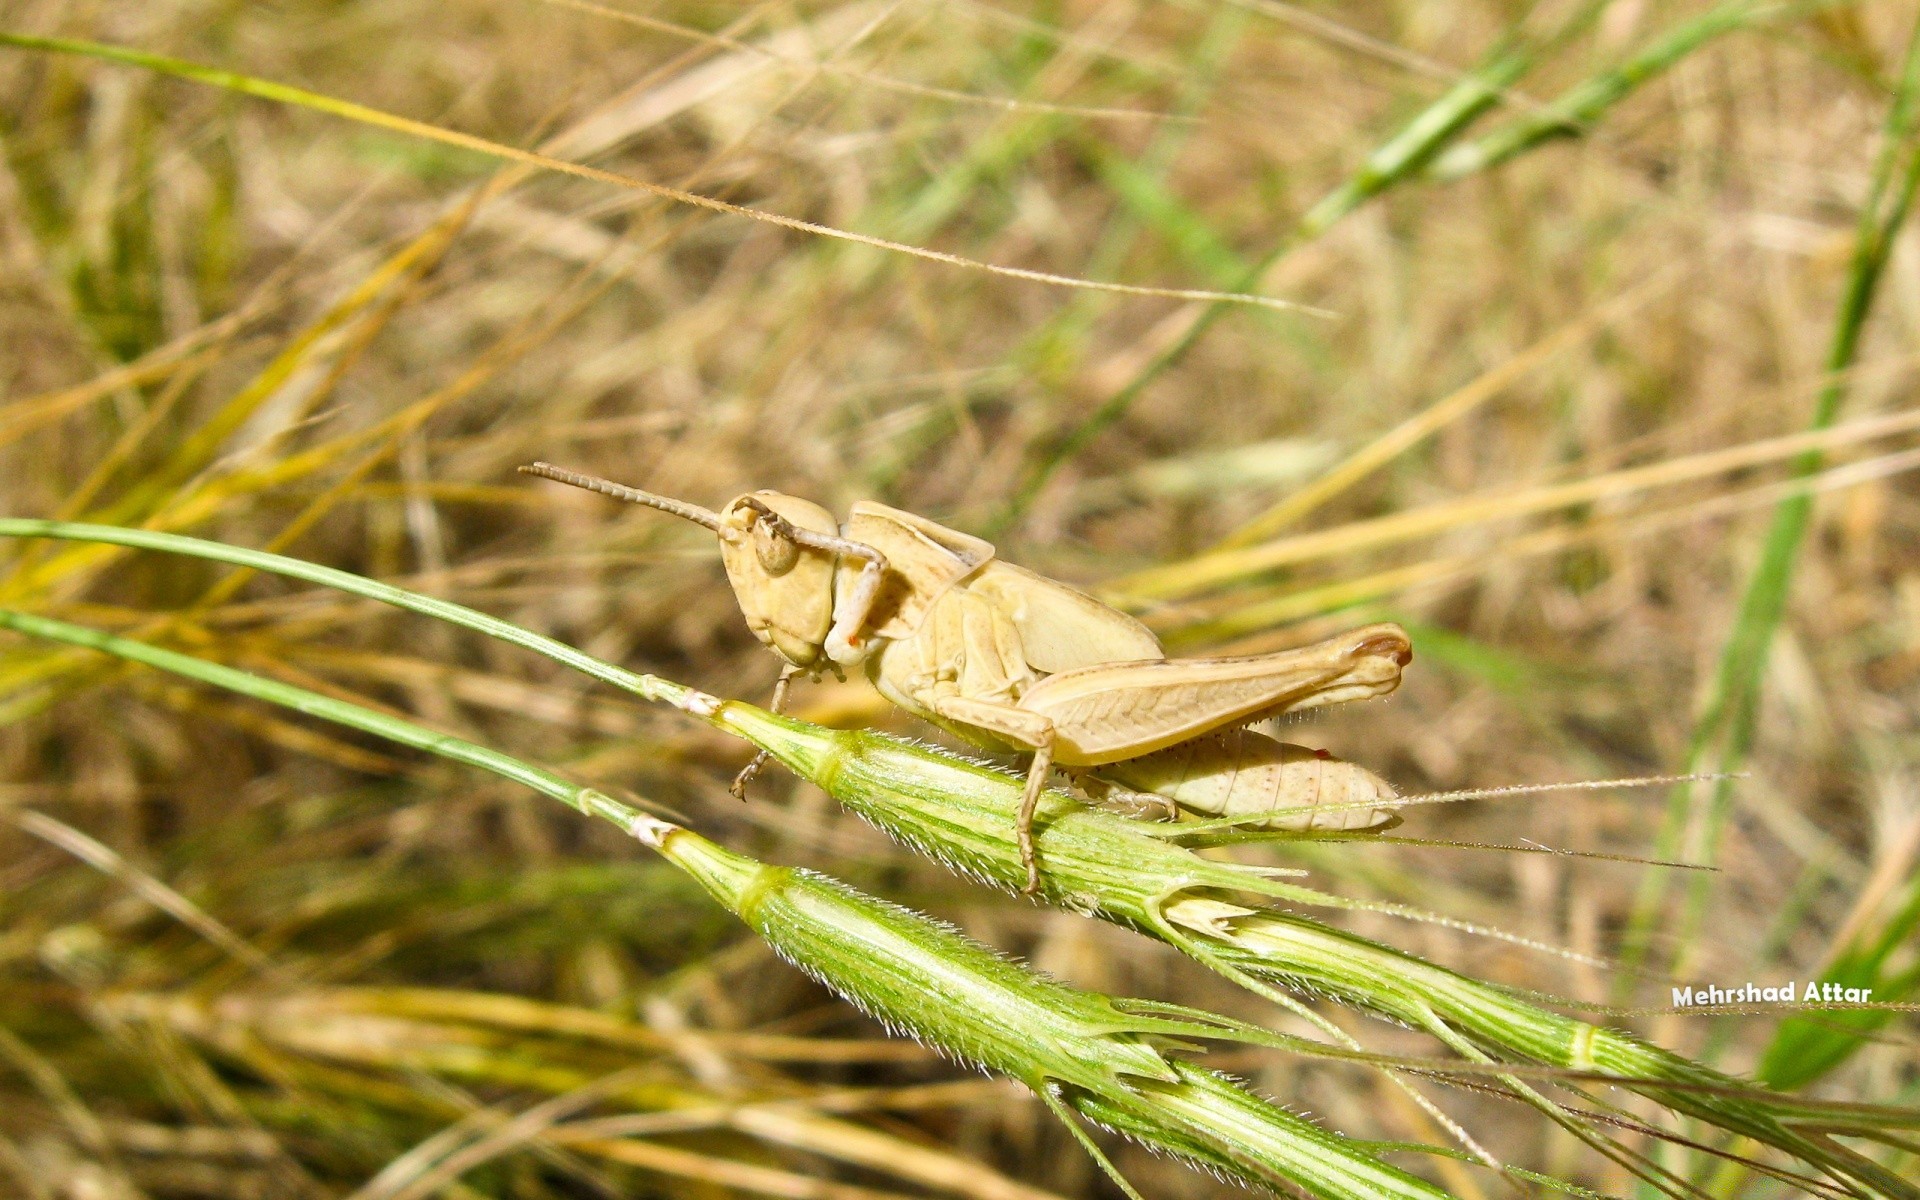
(1574,112)
(1081,1052)
(353,716)
(647,687)
(1731,712)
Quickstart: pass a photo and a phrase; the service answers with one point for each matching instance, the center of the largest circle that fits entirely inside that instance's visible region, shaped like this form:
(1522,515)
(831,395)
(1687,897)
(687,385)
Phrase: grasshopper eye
(776,552)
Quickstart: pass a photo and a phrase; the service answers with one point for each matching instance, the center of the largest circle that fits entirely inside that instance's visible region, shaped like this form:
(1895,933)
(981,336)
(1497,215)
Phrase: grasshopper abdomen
(1275,785)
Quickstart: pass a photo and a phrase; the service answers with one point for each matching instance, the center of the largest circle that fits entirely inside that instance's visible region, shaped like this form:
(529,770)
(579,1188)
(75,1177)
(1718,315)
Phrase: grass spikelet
(1124,871)
(1078,1050)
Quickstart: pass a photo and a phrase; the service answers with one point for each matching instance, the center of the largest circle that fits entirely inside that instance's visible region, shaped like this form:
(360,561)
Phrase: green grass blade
(1576,111)
(1725,729)
(647,687)
(1803,1049)
(313,704)
(1144,195)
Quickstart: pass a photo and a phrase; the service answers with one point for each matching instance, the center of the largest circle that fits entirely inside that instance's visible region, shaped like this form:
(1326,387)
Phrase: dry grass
(276,328)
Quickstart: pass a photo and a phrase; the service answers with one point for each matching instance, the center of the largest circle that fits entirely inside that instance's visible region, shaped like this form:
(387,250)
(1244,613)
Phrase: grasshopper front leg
(778,705)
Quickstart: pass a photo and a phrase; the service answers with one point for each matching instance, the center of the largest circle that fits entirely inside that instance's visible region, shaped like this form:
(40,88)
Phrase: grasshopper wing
(924,559)
(1062,628)
(1103,714)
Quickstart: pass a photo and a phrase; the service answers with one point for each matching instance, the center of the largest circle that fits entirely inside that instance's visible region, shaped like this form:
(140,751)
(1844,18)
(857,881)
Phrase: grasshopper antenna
(606,487)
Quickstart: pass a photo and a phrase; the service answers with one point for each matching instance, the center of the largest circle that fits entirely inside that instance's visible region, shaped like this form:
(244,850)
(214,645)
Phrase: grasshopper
(1013,661)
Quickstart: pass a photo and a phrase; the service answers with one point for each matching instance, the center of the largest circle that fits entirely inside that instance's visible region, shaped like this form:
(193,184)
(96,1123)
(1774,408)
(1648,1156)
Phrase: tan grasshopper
(1014,661)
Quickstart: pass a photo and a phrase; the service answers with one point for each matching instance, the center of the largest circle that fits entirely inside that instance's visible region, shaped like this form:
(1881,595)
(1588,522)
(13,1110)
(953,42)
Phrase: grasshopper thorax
(785,588)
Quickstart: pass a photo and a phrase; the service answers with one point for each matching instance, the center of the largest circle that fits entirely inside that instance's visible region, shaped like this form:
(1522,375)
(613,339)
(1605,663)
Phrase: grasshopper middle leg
(1020,728)
(1037,773)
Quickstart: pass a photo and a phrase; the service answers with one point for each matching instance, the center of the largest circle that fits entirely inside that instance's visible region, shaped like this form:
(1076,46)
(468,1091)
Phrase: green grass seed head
(961,813)
(1078,1049)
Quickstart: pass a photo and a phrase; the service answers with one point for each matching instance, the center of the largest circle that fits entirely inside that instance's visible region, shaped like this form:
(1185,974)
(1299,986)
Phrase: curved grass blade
(1575,112)
(267,89)
(1726,727)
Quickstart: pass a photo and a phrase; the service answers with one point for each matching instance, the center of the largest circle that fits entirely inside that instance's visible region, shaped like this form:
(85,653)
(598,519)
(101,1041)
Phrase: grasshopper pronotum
(1012,660)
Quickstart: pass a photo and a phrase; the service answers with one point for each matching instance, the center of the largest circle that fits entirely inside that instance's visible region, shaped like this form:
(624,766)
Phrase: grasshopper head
(782,578)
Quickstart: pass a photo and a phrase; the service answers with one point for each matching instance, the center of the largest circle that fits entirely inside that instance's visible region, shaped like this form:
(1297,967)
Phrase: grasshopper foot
(1142,806)
(1032,887)
(739,785)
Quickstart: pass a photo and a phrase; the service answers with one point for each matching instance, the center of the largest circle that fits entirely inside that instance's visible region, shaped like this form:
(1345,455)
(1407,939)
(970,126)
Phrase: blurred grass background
(248,956)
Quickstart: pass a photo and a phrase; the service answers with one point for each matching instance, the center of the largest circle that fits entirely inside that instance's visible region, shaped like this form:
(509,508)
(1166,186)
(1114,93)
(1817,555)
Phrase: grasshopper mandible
(1014,661)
